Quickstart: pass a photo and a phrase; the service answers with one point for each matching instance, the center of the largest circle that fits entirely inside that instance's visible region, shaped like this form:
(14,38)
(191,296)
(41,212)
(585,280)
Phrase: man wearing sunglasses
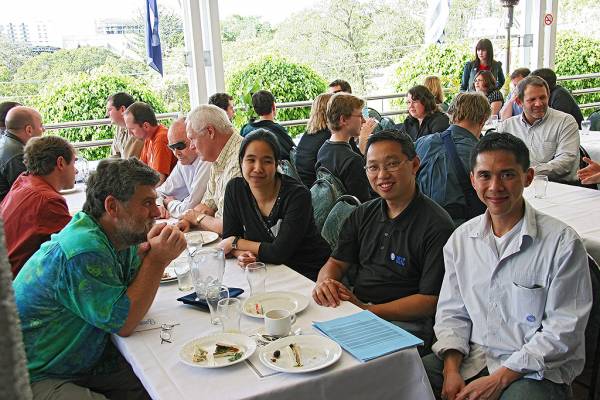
(185,186)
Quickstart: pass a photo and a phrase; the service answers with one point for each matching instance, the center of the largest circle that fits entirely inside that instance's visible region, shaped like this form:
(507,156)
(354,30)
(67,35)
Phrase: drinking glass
(83,170)
(540,184)
(256,274)
(184,274)
(214,293)
(208,267)
(586,124)
(494,121)
(228,312)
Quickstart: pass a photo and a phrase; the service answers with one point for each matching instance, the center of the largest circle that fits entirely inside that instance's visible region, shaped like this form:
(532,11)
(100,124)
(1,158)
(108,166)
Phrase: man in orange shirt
(141,121)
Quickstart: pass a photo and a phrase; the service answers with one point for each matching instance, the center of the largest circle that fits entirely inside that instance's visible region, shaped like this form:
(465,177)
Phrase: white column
(527,34)
(216,76)
(194,52)
(537,14)
(550,34)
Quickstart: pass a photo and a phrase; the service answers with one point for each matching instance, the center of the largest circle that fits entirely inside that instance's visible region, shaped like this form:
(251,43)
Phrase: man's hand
(190,216)
(489,387)
(245,258)
(327,292)
(183,225)
(154,231)
(166,246)
(167,200)
(164,213)
(453,384)
(204,209)
(347,295)
(591,173)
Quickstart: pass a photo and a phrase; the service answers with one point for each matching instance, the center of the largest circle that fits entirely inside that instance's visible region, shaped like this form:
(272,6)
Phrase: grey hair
(208,114)
(118,178)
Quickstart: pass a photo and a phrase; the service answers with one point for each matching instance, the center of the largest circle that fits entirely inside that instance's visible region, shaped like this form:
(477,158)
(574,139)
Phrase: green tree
(578,54)
(287,81)
(237,27)
(445,60)
(85,99)
(170,28)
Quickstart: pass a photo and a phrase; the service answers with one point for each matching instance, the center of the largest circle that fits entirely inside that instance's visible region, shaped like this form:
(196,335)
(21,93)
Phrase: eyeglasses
(357,115)
(390,166)
(178,146)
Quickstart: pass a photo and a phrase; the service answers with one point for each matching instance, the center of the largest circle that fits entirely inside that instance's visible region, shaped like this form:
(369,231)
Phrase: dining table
(576,206)
(590,141)
(157,363)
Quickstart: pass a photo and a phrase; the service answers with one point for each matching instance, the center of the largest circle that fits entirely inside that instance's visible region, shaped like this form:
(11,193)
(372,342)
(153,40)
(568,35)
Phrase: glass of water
(256,274)
(540,185)
(586,124)
(208,267)
(228,312)
(215,293)
(184,274)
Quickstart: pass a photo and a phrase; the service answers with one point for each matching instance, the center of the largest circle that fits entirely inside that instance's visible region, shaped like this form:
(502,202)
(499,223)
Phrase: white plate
(244,343)
(69,191)
(293,302)
(316,352)
(204,237)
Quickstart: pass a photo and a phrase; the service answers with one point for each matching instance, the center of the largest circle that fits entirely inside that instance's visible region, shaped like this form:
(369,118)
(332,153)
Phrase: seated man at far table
(396,241)
(97,277)
(185,186)
(34,209)
(516,296)
(141,121)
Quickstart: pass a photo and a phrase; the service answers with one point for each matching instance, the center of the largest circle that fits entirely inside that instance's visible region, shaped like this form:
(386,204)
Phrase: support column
(550,33)
(194,52)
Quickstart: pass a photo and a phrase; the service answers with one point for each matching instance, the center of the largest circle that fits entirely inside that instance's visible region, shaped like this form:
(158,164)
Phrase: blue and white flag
(437,18)
(153,50)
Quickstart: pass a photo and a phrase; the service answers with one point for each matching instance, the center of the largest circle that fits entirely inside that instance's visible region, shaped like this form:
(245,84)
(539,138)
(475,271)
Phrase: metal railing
(297,104)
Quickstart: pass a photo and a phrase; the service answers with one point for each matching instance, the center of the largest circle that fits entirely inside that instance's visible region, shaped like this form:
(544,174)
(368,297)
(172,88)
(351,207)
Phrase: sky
(79,15)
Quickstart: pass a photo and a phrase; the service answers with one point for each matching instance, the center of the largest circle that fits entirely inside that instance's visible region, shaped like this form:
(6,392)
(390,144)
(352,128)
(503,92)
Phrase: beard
(132,232)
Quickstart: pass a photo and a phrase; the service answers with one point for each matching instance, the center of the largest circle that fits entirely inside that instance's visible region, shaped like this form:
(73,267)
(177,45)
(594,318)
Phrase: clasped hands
(330,293)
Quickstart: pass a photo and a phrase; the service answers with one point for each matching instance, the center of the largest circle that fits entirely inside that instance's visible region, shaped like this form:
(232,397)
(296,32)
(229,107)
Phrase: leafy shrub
(446,61)
(577,54)
(287,81)
(85,99)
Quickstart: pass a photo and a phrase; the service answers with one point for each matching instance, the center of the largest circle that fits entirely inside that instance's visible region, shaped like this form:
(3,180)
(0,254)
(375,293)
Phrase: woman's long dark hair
(484,44)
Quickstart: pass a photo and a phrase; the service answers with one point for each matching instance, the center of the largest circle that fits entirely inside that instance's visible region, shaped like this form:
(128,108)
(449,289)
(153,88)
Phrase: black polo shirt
(397,257)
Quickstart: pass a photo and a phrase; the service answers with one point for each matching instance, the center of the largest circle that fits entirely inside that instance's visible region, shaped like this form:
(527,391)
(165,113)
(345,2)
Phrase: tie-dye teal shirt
(71,295)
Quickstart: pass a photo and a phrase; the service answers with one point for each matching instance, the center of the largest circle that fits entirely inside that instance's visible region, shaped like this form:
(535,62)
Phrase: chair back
(293,152)
(287,168)
(343,207)
(324,193)
(589,377)
(595,120)
(373,113)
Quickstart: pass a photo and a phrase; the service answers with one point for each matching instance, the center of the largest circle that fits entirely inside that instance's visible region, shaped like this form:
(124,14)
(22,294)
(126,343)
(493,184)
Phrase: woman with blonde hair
(434,85)
(310,143)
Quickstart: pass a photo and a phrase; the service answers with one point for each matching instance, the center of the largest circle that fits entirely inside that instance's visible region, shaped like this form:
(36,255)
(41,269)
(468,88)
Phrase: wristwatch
(234,243)
(199,218)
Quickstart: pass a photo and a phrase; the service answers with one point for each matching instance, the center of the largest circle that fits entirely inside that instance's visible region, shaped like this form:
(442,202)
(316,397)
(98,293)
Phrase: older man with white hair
(215,140)
(186,185)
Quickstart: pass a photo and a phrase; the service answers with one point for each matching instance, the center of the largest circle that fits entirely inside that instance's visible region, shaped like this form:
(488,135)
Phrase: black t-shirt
(344,163)
(287,236)
(432,123)
(561,100)
(396,257)
(306,154)
(283,137)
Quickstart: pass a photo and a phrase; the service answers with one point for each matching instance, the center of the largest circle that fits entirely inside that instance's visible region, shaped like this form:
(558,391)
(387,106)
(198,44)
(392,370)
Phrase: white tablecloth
(591,143)
(396,376)
(579,207)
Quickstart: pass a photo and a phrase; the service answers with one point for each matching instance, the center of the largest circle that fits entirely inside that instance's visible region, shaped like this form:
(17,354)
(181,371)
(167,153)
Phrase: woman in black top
(310,143)
(425,116)
(483,61)
(268,216)
(486,85)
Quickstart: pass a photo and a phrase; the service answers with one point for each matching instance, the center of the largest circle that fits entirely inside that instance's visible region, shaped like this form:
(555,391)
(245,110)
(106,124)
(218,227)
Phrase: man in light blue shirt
(438,177)
(516,295)
(185,186)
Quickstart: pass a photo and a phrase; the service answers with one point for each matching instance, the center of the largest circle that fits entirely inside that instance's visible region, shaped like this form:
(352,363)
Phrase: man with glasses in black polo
(396,241)
(186,184)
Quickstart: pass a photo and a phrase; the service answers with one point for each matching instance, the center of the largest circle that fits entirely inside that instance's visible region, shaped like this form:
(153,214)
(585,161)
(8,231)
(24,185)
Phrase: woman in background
(486,85)
(425,117)
(483,61)
(434,85)
(310,143)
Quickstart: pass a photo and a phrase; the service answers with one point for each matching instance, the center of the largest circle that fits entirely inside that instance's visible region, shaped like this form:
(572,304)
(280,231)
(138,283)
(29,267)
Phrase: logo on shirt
(401,261)
(531,318)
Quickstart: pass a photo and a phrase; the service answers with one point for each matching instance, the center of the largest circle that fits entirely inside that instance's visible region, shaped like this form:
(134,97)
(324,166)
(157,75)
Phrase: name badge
(401,261)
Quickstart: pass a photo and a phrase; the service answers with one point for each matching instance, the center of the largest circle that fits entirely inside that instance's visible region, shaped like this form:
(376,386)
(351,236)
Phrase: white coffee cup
(279,322)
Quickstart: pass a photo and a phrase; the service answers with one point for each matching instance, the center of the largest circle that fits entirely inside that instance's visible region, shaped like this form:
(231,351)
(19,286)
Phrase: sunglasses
(178,146)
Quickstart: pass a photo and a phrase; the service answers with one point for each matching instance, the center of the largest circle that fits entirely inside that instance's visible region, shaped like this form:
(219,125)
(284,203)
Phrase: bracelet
(199,218)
